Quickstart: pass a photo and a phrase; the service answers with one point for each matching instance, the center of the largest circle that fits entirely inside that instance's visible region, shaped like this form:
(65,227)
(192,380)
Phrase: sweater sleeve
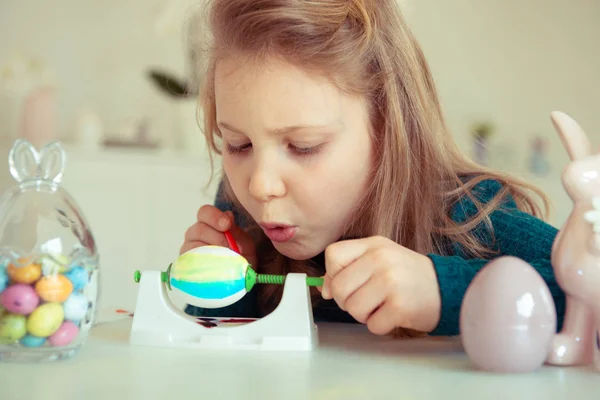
(246,307)
(516,233)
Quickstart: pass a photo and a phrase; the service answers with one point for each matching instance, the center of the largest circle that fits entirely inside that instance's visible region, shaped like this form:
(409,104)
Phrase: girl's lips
(279,233)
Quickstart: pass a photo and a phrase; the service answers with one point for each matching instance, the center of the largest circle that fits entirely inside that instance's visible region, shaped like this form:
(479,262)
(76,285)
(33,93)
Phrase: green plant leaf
(170,84)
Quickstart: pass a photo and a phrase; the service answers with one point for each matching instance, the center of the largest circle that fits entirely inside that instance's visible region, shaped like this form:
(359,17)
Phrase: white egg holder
(157,322)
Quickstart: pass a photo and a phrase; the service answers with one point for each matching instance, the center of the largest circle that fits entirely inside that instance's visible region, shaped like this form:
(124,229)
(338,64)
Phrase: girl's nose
(266,182)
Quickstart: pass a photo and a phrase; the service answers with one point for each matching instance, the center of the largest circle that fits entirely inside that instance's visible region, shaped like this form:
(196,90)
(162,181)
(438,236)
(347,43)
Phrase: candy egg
(508,317)
(54,288)
(75,307)
(79,277)
(3,279)
(12,328)
(24,274)
(32,341)
(52,267)
(64,335)
(19,299)
(209,276)
(45,319)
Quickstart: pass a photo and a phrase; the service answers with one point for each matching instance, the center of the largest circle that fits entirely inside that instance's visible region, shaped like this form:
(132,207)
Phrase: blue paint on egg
(210,290)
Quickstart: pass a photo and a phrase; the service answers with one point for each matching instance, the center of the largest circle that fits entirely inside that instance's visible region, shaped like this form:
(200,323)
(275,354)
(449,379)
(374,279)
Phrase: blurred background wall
(137,165)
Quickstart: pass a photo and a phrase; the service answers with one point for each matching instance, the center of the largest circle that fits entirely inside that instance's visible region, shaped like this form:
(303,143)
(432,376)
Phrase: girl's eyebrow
(287,129)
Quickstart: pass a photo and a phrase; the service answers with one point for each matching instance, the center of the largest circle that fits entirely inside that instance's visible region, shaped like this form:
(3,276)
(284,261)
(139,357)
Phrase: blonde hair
(365,47)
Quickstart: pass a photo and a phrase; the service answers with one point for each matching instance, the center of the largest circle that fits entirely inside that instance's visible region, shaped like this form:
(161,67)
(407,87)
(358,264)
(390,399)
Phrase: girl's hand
(209,230)
(382,284)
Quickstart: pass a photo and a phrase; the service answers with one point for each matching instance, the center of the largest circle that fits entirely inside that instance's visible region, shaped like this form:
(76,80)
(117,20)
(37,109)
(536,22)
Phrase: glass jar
(48,261)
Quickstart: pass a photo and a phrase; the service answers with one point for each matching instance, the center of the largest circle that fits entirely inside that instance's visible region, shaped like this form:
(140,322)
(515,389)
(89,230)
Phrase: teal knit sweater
(516,233)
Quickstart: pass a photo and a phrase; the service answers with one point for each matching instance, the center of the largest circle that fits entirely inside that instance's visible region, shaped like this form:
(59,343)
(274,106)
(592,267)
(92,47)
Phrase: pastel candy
(12,328)
(75,307)
(32,341)
(19,299)
(210,276)
(3,279)
(64,335)
(28,273)
(52,267)
(79,277)
(54,288)
(45,320)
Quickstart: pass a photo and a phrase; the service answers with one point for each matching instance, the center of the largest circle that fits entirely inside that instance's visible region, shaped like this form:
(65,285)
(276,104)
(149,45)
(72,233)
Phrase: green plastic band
(166,277)
(250,278)
(314,281)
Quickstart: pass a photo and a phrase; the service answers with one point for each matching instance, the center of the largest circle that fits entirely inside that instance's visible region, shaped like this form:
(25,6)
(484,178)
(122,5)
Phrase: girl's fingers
(215,218)
(350,279)
(383,320)
(365,301)
(205,233)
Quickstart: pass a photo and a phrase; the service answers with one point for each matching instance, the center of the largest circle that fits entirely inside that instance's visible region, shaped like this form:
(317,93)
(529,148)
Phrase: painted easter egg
(12,328)
(19,299)
(209,276)
(24,274)
(3,279)
(75,307)
(32,341)
(79,277)
(45,319)
(508,317)
(54,288)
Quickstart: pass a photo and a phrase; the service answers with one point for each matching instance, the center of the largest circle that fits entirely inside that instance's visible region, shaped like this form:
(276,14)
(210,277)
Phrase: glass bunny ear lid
(48,260)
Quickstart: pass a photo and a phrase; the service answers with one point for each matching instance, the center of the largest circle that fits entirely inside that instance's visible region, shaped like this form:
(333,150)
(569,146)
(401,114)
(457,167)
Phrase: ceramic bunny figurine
(576,250)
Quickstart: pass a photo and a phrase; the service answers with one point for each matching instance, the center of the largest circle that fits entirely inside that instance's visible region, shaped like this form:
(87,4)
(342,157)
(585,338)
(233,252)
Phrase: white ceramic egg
(508,317)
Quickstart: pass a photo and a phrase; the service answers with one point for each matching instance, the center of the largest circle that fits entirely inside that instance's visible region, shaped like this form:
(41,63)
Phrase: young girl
(338,163)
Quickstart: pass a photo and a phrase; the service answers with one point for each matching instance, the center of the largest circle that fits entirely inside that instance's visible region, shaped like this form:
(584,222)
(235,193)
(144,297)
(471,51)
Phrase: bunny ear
(572,136)
(23,160)
(53,159)
(26,163)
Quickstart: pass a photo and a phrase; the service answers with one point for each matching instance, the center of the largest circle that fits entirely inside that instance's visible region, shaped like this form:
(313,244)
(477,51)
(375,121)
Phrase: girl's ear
(573,137)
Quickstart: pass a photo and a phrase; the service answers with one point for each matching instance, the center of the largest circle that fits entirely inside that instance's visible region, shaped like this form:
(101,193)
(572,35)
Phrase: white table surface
(350,363)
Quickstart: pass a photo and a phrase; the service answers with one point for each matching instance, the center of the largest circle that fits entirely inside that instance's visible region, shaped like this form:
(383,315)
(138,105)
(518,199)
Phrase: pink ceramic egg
(64,335)
(19,299)
(508,317)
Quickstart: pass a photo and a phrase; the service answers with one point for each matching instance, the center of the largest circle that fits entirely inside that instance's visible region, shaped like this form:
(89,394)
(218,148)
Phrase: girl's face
(297,152)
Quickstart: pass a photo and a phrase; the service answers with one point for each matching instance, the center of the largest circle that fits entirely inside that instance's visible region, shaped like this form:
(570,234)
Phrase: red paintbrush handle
(231,242)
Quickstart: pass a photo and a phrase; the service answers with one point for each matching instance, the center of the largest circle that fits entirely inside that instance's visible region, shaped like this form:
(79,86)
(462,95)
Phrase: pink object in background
(38,121)
(508,317)
(507,311)
(576,250)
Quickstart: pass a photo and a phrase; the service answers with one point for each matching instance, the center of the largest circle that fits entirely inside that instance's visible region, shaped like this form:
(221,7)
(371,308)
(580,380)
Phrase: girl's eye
(238,149)
(305,151)
(297,150)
